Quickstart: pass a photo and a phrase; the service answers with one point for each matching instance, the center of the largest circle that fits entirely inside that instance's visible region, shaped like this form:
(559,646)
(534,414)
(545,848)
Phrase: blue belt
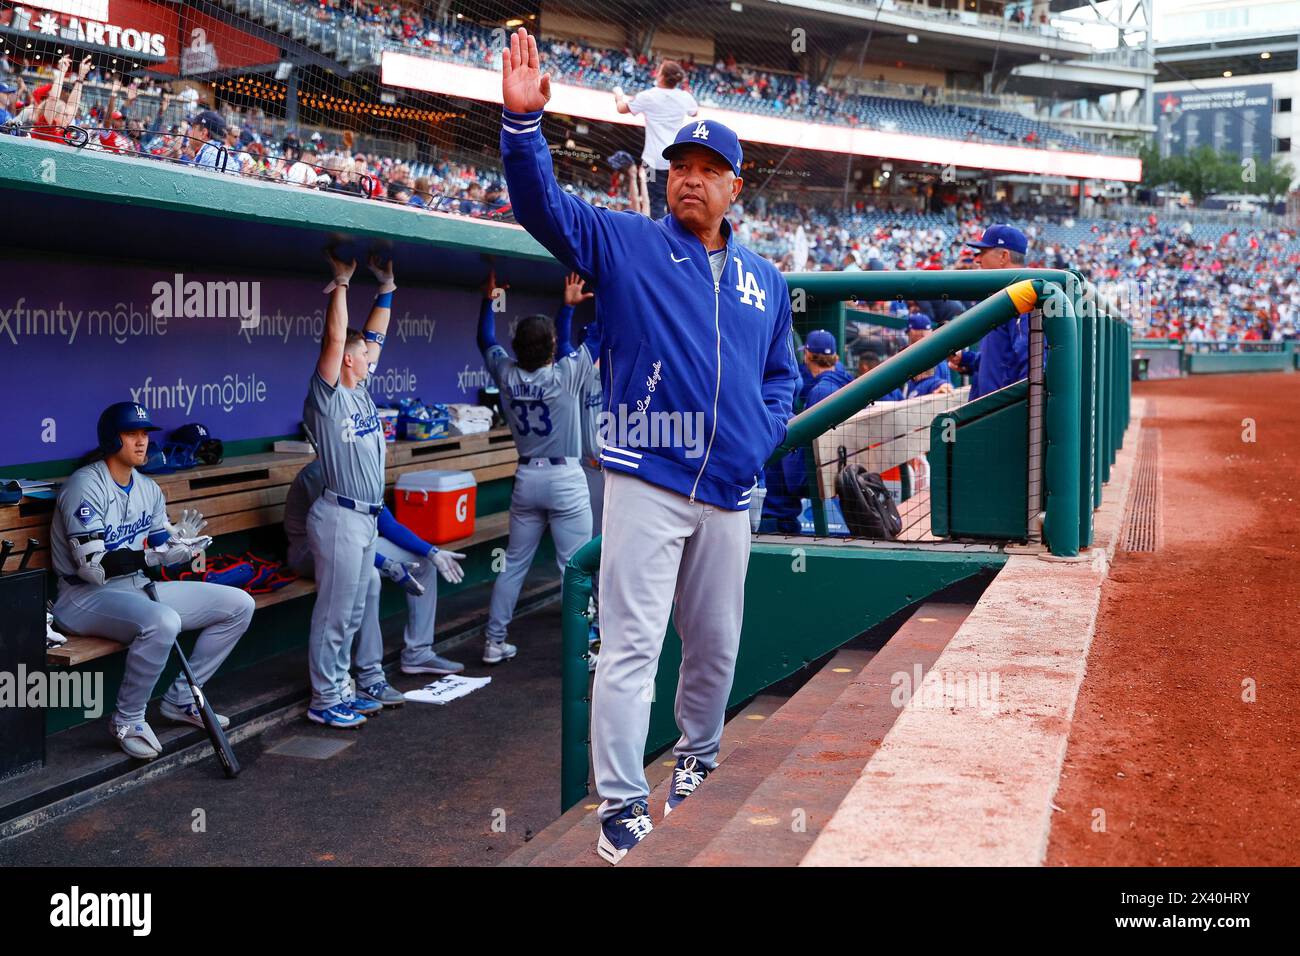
(530,459)
(365,507)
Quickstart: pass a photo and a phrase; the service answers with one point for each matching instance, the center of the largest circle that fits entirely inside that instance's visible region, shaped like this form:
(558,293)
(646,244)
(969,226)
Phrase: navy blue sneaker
(687,775)
(621,833)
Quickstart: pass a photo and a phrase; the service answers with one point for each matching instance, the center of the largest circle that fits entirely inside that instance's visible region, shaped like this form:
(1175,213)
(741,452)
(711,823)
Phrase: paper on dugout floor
(447,689)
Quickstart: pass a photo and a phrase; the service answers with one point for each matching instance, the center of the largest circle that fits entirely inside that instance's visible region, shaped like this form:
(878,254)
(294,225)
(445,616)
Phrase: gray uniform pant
(544,495)
(342,543)
(121,610)
(661,555)
(596,493)
(421,611)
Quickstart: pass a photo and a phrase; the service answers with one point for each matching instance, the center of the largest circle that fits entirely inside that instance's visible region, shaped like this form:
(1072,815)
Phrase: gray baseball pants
(421,612)
(342,543)
(544,495)
(120,610)
(663,555)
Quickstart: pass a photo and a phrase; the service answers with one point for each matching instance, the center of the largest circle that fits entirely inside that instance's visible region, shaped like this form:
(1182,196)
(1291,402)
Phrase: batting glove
(447,563)
(383,273)
(342,272)
(175,551)
(401,572)
(191,524)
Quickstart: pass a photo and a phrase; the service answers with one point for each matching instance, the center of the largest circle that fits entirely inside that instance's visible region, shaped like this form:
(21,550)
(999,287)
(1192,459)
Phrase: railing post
(575,705)
(1086,314)
(1037,402)
(1063,421)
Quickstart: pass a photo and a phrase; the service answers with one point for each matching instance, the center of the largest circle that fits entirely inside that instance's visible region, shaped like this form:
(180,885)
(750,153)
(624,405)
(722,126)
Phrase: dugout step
(573,842)
(743,724)
(820,769)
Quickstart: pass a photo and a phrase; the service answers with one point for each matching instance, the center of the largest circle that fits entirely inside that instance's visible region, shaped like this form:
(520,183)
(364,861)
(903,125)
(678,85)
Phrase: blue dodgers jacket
(716,356)
(1003,358)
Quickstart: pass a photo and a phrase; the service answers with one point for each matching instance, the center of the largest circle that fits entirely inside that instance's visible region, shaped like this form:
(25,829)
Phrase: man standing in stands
(665,108)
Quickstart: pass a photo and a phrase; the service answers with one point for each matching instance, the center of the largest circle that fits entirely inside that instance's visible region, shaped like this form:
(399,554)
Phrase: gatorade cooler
(437,505)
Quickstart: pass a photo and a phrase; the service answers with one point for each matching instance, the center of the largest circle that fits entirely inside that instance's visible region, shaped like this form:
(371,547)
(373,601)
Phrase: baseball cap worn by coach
(1001,236)
(712,135)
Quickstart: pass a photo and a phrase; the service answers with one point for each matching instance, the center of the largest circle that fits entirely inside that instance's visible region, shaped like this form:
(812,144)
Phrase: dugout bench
(248,491)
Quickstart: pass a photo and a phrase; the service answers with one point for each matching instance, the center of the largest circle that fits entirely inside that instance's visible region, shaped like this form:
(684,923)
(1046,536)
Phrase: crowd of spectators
(725,83)
(1177,280)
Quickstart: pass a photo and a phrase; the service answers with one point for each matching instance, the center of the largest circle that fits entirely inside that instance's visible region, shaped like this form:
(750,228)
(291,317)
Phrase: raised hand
(83,70)
(342,270)
(573,294)
(524,88)
(383,273)
(490,285)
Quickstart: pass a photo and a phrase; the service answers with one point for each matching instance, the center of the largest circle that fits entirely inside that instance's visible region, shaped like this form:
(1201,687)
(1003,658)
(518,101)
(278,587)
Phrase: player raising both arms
(344,424)
(110,525)
(541,395)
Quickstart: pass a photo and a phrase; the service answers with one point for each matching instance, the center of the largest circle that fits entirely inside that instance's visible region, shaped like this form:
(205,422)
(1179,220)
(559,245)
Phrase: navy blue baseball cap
(712,135)
(1001,236)
(919,320)
(820,342)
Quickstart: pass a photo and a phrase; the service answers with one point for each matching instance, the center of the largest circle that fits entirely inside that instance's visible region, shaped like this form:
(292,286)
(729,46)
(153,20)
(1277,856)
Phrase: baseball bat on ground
(220,744)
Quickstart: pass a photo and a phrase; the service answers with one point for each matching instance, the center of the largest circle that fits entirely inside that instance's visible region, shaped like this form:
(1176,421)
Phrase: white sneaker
(494,652)
(136,738)
(189,714)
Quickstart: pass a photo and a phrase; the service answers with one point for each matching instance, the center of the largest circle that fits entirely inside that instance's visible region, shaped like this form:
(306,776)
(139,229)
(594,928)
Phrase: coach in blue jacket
(698,379)
(1003,356)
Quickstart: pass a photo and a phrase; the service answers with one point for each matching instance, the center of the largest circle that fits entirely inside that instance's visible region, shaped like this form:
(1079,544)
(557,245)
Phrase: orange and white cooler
(437,505)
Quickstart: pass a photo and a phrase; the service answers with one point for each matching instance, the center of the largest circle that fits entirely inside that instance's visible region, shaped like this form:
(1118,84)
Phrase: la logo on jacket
(747,286)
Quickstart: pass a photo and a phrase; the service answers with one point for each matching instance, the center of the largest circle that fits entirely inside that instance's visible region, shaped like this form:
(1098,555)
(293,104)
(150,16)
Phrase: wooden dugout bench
(248,491)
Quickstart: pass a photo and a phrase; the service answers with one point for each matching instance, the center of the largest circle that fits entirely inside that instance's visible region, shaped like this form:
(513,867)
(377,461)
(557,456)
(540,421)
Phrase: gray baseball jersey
(543,407)
(306,488)
(344,424)
(91,502)
(592,396)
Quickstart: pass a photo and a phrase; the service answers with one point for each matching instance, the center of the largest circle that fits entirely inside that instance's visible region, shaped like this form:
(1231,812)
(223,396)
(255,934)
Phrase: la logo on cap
(140,412)
(701,131)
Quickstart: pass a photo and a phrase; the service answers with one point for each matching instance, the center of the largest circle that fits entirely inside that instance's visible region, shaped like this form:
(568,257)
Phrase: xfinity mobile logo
(208,300)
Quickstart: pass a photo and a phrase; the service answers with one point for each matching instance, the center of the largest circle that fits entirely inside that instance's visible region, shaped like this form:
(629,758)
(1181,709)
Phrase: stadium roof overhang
(896,35)
(1076,80)
(454,79)
(1242,56)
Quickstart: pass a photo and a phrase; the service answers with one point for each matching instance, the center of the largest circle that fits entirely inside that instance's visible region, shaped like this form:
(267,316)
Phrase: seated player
(110,525)
(401,556)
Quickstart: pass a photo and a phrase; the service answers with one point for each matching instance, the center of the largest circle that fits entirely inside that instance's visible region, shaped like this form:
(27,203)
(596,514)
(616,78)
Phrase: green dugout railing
(1084,416)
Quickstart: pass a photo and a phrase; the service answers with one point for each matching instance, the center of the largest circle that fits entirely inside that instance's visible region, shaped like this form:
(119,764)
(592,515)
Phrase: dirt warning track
(1185,747)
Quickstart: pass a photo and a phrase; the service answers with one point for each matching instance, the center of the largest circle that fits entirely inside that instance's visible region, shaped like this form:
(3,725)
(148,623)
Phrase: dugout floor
(420,786)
